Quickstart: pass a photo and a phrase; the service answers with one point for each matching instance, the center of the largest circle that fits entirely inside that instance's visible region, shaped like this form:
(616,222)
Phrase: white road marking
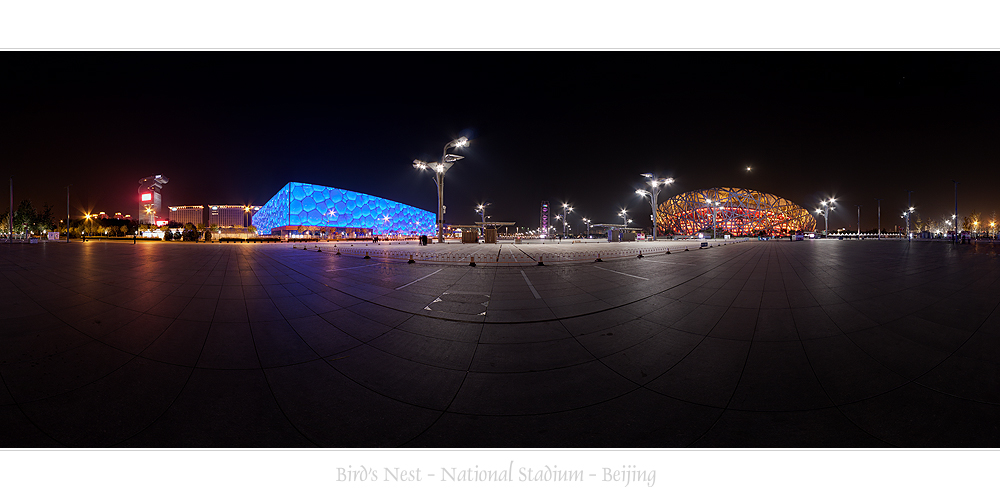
(349,268)
(532,288)
(418,280)
(622,273)
(670,263)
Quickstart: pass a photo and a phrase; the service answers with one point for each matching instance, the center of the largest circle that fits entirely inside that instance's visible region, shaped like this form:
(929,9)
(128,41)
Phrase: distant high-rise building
(224,215)
(149,196)
(187,214)
(543,220)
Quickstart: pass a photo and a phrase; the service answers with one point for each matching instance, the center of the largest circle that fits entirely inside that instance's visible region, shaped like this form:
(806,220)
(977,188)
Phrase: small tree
(168,235)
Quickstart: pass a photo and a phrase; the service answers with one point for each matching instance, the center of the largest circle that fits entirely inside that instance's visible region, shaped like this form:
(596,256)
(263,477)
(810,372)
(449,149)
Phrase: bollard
(540,263)
(411,259)
(640,254)
(598,258)
(668,251)
(472,261)
(366,256)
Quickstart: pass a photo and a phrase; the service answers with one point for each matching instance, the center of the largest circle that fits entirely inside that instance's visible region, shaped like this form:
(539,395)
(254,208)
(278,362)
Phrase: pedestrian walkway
(759,344)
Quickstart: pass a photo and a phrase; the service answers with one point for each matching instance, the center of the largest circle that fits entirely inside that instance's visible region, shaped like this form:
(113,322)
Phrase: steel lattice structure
(741,212)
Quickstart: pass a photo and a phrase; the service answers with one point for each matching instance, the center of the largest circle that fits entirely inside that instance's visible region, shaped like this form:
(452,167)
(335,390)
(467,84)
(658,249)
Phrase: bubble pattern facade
(741,212)
(299,204)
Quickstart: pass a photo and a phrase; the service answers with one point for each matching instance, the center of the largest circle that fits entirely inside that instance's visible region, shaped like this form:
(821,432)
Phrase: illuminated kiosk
(309,210)
(737,211)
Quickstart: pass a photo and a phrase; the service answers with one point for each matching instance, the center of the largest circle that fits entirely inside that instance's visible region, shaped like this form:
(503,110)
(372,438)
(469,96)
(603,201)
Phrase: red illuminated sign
(147,196)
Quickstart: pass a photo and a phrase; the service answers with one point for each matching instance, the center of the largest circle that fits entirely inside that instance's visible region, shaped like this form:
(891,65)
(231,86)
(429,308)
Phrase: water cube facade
(298,206)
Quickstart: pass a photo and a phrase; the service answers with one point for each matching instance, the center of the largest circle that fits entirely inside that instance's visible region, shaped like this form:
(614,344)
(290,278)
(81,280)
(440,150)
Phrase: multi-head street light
(440,168)
(653,192)
(825,211)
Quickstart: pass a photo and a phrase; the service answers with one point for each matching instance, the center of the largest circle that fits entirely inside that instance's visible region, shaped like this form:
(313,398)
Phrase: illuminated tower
(543,219)
(149,196)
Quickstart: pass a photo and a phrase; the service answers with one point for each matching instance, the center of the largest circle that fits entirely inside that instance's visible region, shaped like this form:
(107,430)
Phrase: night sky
(577,127)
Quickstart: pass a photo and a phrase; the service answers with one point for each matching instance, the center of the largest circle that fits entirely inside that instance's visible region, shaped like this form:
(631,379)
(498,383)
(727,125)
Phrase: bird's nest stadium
(732,210)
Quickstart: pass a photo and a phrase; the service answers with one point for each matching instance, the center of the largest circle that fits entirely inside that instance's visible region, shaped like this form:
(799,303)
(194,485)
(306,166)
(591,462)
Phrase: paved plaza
(820,343)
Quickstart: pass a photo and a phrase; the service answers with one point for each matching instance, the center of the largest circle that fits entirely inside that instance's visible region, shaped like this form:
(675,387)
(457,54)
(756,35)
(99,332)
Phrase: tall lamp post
(67,212)
(653,192)
(859,221)
(955,241)
(564,219)
(481,209)
(587,221)
(624,215)
(879,218)
(712,205)
(827,206)
(440,168)
(909,209)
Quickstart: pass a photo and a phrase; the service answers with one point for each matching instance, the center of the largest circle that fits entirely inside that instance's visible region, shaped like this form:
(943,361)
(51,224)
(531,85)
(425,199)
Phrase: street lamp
(440,168)
(827,206)
(587,221)
(906,215)
(879,218)
(624,215)
(859,221)
(712,205)
(564,219)
(481,209)
(653,192)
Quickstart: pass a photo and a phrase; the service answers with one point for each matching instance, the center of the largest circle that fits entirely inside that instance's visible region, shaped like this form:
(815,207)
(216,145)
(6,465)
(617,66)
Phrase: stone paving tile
(357,326)
(708,375)
(824,428)
(655,420)
(66,371)
(261,309)
(736,324)
(645,361)
(777,377)
(538,392)
(426,350)
(701,320)
(20,346)
(528,356)
(212,411)
(180,343)
(229,346)
(203,309)
(322,337)
(278,344)
(775,324)
(16,430)
(914,416)
(400,379)
(330,410)
(849,344)
(965,378)
(138,334)
(131,397)
(526,333)
(901,355)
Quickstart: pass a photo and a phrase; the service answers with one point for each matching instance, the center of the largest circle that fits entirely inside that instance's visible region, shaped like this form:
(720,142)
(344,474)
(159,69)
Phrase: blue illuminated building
(315,210)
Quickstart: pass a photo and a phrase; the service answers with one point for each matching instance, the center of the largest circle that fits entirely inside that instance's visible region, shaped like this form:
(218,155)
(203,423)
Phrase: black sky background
(577,127)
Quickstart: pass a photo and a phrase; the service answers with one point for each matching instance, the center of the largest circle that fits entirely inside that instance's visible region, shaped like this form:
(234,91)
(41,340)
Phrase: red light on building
(147,196)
